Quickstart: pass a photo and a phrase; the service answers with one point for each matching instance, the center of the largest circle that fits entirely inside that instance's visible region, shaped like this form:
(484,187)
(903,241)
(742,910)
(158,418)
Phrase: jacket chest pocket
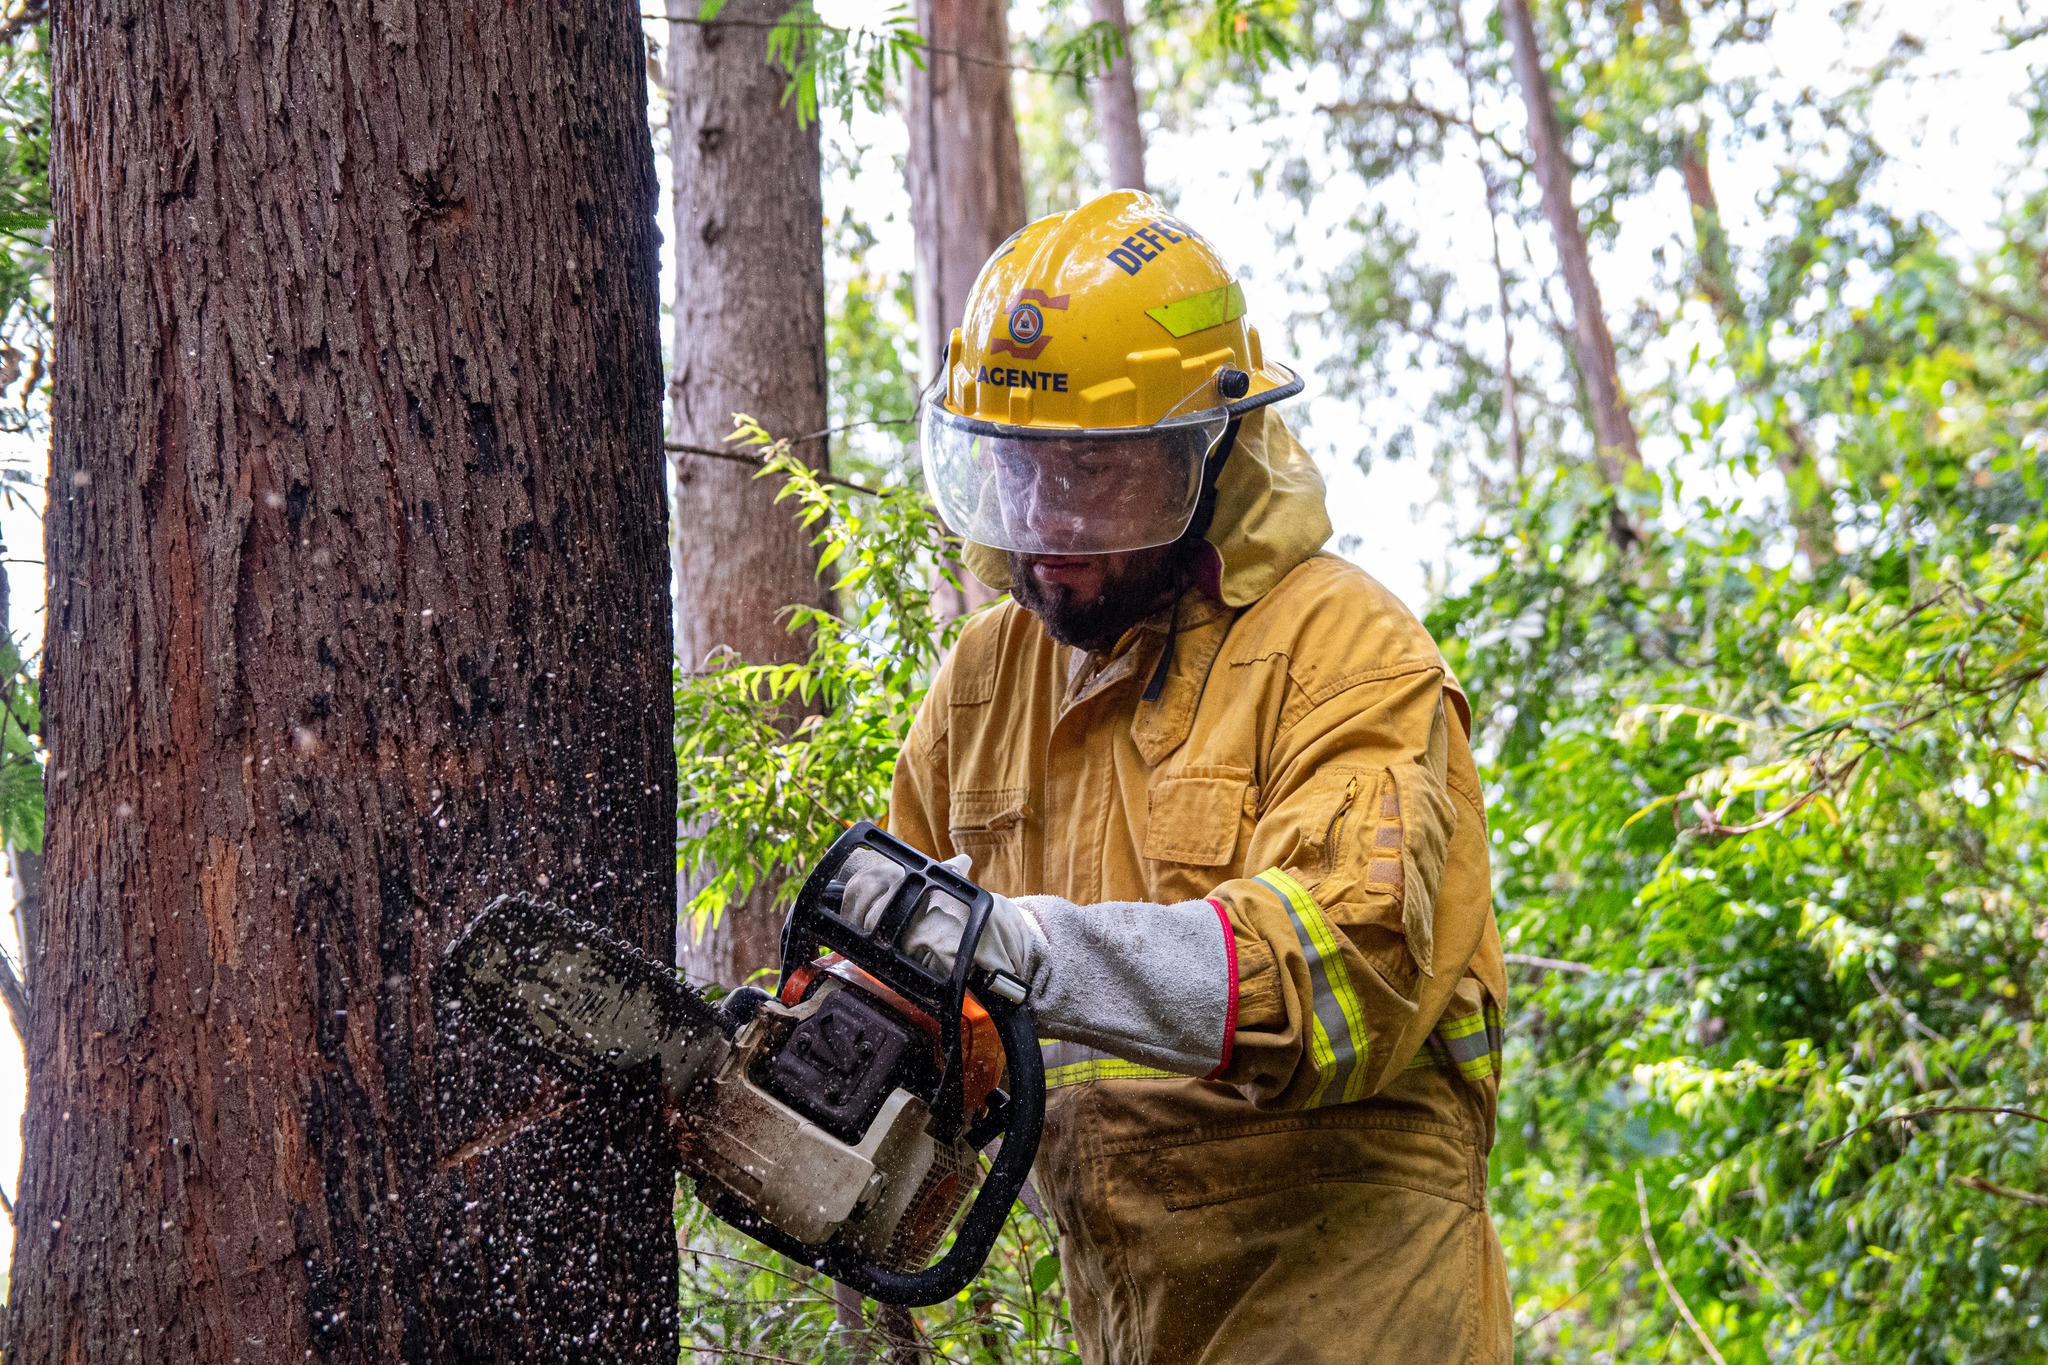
(988,826)
(1197,816)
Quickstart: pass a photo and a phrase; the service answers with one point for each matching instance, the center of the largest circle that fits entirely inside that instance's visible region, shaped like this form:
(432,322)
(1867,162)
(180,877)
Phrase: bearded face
(1089,601)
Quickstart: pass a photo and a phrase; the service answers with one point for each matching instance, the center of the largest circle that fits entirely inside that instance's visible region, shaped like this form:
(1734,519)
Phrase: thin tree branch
(1931,1110)
(683,1248)
(2010,309)
(736,1351)
(1510,392)
(1798,1309)
(1657,1260)
(1572,1297)
(1613,426)
(819,26)
(747,457)
(1552,964)
(2039,1201)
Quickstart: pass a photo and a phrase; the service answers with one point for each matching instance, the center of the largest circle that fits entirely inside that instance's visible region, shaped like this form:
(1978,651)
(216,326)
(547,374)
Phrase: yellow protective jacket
(1322,1197)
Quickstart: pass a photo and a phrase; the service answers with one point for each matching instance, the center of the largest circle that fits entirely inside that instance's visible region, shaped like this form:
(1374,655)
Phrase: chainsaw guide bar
(840,1120)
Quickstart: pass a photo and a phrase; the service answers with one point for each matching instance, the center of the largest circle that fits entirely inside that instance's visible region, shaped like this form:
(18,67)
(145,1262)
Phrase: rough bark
(1116,105)
(1593,344)
(357,549)
(966,179)
(749,337)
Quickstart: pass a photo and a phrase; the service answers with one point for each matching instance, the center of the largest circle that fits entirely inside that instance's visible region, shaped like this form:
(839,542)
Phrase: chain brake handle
(813,926)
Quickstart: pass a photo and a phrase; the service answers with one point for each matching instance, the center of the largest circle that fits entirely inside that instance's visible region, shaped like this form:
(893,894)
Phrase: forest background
(1759,674)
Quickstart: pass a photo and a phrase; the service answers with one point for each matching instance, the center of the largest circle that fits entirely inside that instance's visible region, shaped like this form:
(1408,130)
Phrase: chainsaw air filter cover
(841,1063)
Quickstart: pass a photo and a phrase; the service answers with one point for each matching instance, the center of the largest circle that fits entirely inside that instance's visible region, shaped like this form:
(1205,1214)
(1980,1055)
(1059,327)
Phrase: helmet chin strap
(1212,474)
(1198,529)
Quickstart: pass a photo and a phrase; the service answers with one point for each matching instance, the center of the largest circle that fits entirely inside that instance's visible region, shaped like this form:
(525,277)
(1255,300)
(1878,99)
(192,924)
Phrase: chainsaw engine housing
(819,1121)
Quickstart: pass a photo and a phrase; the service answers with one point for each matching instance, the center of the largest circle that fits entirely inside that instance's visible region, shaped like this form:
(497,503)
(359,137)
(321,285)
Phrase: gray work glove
(1008,941)
(1148,983)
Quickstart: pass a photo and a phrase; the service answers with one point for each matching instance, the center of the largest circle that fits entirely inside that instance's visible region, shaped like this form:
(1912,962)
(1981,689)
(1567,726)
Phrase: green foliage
(1765,784)
(24,223)
(774,760)
(871,363)
(25,319)
(1249,34)
(829,66)
(1055,128)
(21,752)
(743,1302)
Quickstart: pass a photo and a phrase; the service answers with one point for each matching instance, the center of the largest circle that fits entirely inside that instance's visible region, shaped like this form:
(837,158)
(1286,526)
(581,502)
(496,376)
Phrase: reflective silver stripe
(1337,1037)
(1473,1041)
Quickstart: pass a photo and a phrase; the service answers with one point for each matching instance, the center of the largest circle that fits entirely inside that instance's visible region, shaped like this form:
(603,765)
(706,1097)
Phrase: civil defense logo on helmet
(1027,324)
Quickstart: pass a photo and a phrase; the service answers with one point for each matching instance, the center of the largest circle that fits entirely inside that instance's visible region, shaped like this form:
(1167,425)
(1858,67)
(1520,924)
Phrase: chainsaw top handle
(814,925)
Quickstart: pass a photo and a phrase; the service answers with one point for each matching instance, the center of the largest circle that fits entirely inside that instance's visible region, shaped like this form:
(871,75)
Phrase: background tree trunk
(1809,500)
(357,549)
(966,179)
(749,337)
(1600,371)
(1116,106)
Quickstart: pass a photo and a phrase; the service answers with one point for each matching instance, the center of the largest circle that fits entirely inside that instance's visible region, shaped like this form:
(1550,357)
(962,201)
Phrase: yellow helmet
(1102,363)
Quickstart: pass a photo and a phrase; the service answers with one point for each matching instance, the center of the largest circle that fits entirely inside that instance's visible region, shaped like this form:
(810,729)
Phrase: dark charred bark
(357,549)
(1600,371)
(749,337)
(1116,105)
(966,178)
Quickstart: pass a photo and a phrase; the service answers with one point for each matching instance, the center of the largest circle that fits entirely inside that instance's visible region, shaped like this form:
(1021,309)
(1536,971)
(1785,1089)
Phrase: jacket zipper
(1336,827)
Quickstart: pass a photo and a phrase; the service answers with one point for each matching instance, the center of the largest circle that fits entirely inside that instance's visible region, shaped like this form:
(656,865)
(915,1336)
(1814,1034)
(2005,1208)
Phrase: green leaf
(1045,1272)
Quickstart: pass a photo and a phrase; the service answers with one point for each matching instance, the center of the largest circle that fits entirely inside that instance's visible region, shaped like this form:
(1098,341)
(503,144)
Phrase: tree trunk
(1807,495)
(749,337)
(1116,106)
(357,548)
(1594,344)
(966,179)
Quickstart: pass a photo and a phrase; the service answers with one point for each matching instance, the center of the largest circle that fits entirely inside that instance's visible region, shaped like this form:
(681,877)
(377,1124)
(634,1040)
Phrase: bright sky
(1953,133)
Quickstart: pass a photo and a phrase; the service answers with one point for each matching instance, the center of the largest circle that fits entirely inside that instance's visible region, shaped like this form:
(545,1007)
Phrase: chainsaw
(839,1119)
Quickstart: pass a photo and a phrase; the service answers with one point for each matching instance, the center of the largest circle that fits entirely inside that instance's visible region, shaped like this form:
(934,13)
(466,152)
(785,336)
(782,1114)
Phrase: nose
(1046,512)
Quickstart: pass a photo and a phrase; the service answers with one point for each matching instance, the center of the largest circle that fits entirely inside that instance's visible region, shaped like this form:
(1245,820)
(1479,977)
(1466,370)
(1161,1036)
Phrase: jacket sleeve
(1345,962)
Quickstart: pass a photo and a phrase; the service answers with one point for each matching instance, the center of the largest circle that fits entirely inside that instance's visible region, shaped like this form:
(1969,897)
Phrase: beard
(1135,584)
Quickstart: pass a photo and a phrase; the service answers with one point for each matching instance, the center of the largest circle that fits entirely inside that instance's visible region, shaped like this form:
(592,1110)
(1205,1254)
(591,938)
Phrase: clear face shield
(1067,491)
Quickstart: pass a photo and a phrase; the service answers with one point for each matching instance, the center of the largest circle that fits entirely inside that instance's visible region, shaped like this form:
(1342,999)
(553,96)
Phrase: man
(1221,782)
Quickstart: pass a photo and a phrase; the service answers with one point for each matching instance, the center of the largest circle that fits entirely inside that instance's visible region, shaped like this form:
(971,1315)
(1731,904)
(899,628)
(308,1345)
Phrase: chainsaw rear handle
(976,1236)
(813,926)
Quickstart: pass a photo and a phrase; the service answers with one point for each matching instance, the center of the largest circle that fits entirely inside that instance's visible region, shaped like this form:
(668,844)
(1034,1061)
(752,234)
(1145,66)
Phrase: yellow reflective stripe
(1200,312)
(1462,1027)
(1338,1042)
(1473,1041)
(1107,1069)
(1076,1063)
